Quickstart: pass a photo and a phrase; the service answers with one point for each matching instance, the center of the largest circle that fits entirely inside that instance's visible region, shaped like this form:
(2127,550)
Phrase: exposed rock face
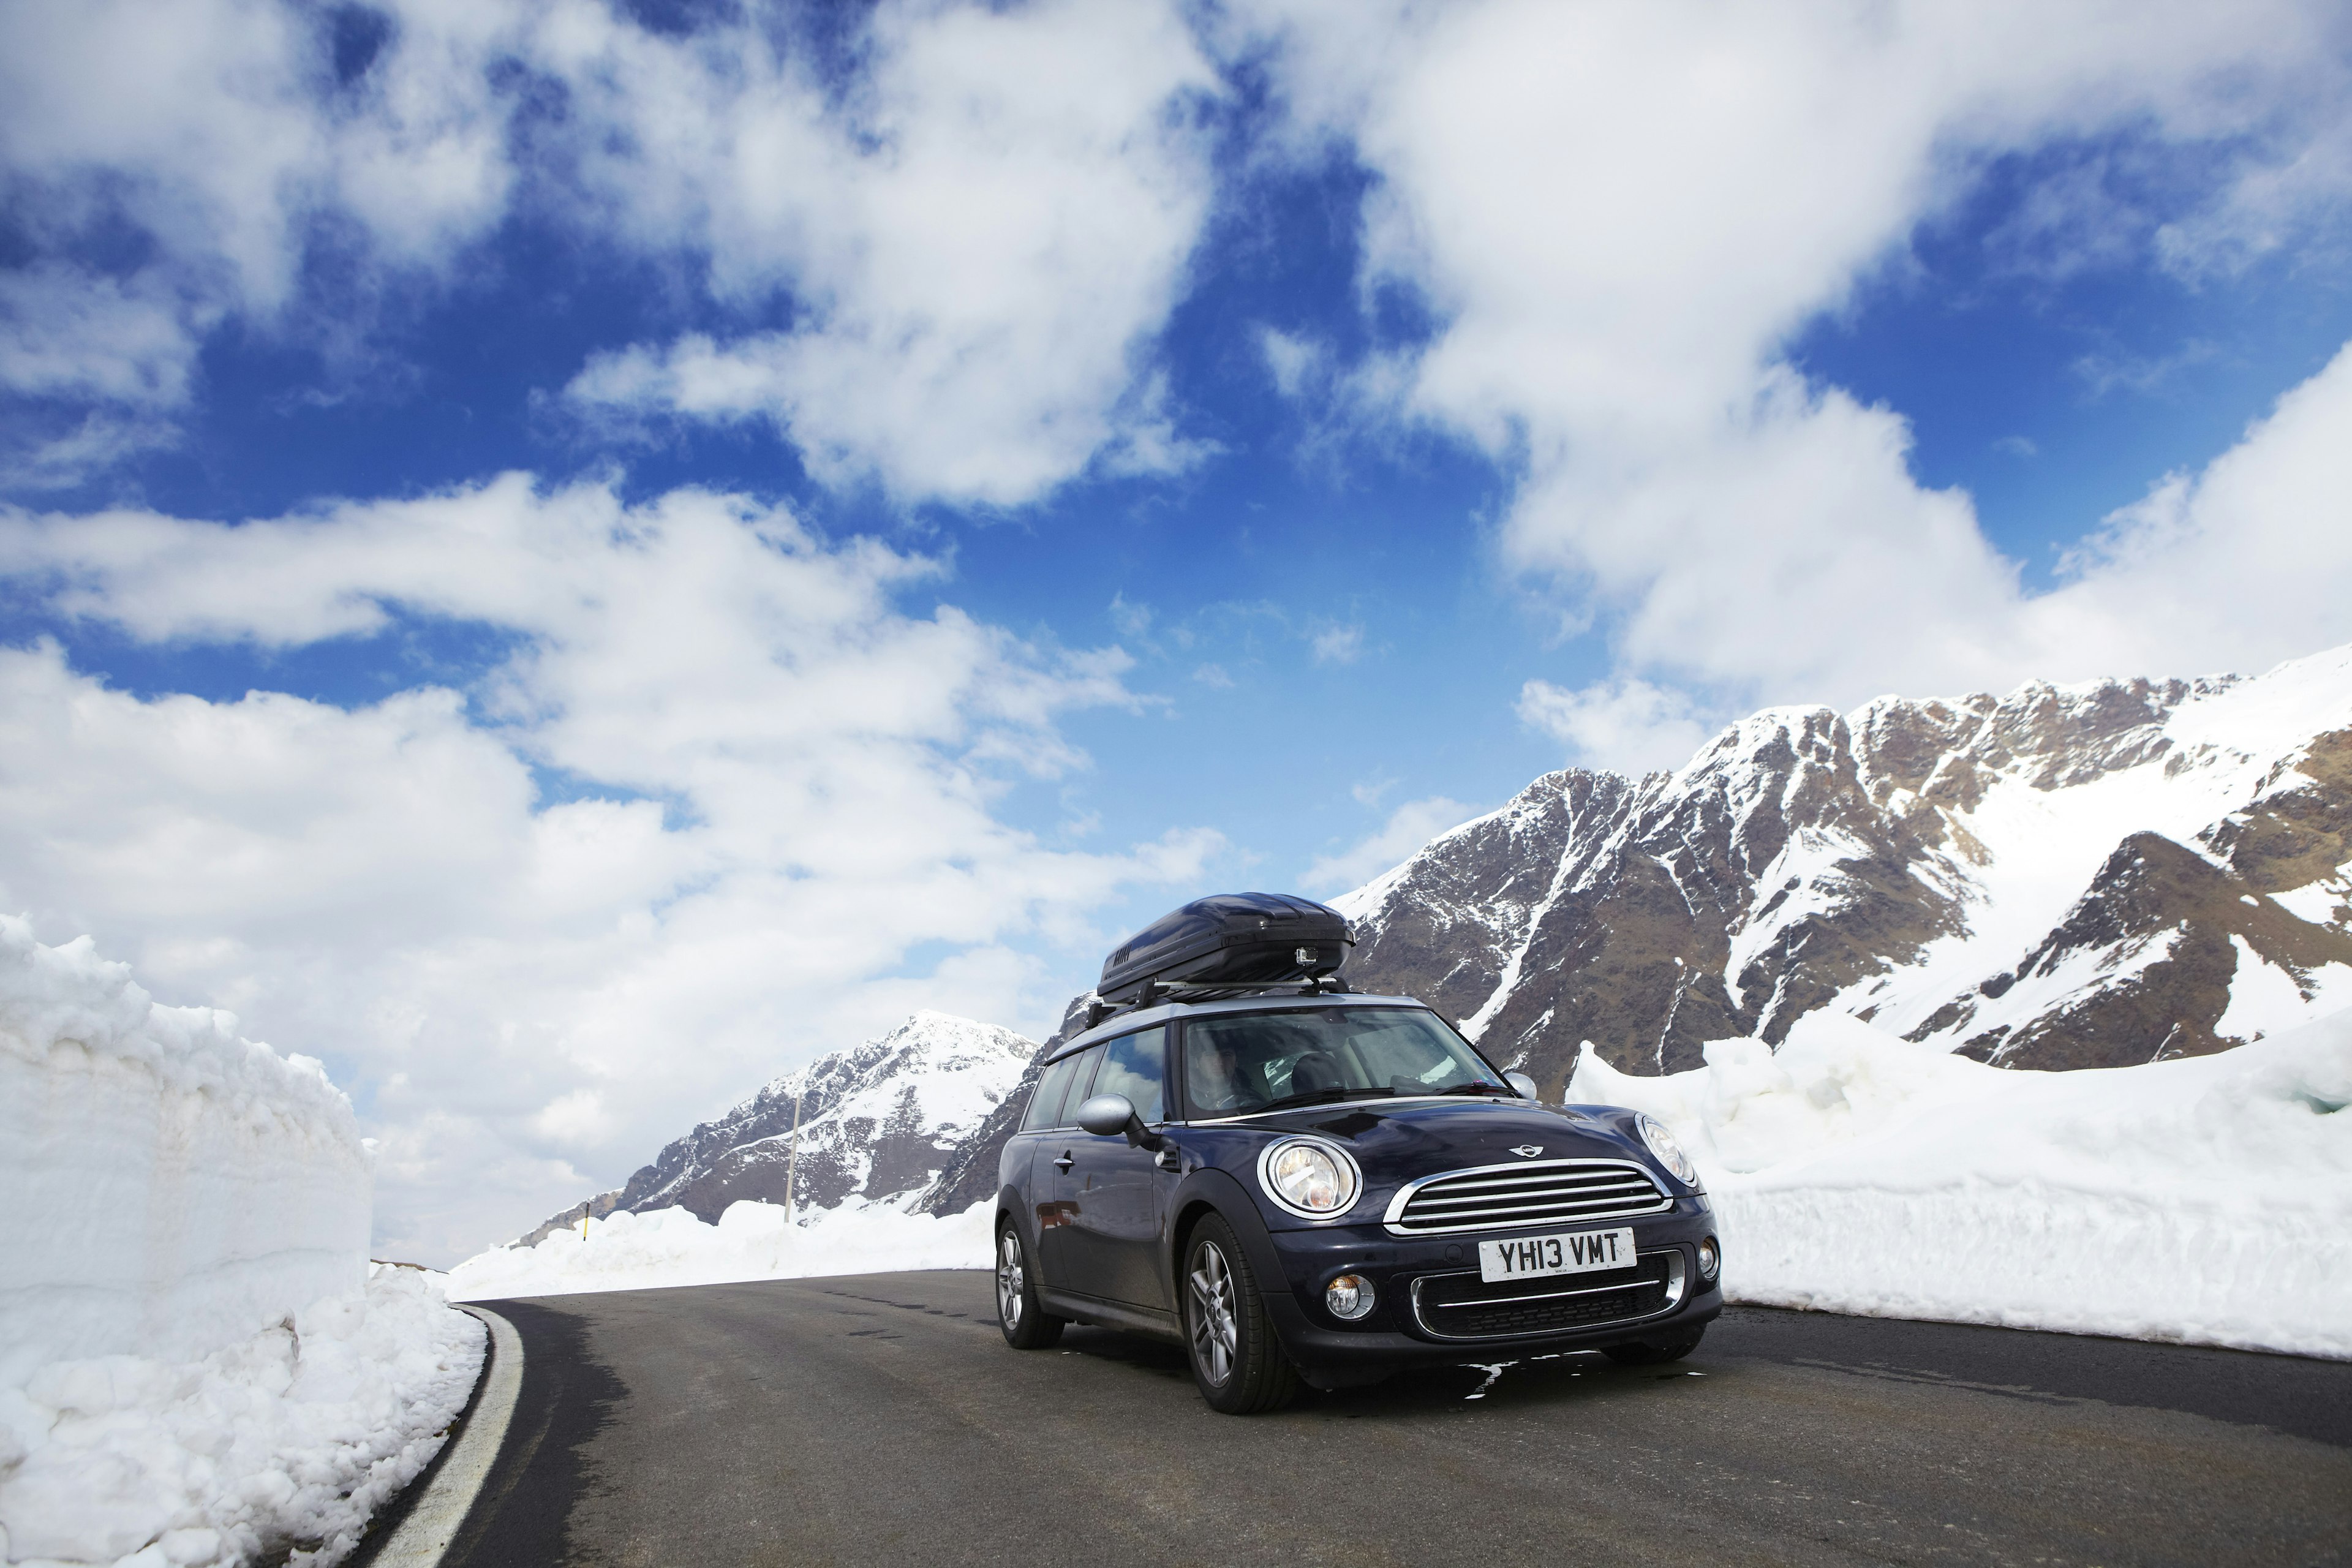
(879,1123)
(2067,877)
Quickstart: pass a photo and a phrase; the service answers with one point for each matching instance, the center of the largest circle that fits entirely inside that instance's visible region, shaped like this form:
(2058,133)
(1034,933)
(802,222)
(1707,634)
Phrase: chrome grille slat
(1508,1194)
(1484,1193)
(1504,1198)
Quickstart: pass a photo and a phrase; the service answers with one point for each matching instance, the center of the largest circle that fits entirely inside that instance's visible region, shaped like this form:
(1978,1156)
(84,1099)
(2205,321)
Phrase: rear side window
(1046,1103)
(1132,1066)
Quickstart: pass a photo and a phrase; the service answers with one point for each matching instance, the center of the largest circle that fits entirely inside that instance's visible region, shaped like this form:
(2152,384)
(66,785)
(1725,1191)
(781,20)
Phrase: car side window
(1046,1104)
(1133,1065)
(1082,1073)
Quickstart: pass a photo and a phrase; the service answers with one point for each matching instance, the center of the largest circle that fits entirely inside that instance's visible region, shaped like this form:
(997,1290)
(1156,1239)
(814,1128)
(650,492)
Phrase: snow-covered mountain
(2082,876)
(878,1123)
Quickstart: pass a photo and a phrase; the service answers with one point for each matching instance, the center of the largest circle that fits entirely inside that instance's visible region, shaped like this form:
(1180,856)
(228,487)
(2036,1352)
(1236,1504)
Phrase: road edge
(430,1524)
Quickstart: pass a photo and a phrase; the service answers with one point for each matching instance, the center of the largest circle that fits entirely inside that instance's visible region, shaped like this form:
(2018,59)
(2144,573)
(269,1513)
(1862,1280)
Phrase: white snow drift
(751,1241)
(2207,1200)
(194,1364)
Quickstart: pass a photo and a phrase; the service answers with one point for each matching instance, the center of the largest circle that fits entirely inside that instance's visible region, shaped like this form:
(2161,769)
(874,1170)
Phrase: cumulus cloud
(1618,214)
(974,233)
(778,785)
(1409,826)
(1627,725)
(981,241)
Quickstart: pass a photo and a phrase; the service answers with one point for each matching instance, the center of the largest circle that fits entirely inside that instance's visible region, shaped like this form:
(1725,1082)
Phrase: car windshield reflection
(1262,1061)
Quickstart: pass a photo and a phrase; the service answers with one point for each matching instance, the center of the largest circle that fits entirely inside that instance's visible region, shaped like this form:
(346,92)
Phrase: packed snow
(751,1241)
(196,1364)
(171,1187)
(2207,1200)
(278,1448)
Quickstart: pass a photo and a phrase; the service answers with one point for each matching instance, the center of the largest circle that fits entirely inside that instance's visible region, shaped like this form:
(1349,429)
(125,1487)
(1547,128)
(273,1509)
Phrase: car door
(1050,1180)
(1114,1191)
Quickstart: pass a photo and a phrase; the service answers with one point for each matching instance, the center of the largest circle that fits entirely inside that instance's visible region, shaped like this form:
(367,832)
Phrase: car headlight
(1669,1152)
(1309,1177)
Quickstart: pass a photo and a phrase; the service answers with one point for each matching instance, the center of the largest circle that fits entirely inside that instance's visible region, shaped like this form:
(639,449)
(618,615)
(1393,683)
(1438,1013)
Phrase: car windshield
(1259,1061)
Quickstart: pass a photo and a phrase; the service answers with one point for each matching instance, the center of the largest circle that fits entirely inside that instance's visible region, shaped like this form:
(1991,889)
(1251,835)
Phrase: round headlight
(1669,1152)
(1349,1297)
(1309,1177)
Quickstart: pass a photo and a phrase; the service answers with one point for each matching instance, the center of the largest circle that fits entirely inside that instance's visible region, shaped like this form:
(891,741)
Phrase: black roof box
(1229,939)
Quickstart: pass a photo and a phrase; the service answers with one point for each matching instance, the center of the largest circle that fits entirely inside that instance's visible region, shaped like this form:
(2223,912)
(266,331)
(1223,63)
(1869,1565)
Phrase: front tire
(1642,1352)
(1027,1326)
(1237,1361)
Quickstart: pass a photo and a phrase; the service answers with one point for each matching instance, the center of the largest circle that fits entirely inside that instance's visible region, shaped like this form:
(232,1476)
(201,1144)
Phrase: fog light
(1349,1297)
(1709,1258)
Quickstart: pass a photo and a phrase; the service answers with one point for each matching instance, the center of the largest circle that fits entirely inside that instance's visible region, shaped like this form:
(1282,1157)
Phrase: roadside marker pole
(792,1160)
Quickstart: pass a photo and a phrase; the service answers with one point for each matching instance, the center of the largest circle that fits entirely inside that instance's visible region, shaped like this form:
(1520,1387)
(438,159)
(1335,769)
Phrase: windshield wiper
(1312,1096)
(1475,1088)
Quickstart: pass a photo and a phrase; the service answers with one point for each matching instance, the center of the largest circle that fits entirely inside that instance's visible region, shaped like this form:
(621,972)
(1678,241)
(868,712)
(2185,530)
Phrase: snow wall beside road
(2207,1200)
(172,1189)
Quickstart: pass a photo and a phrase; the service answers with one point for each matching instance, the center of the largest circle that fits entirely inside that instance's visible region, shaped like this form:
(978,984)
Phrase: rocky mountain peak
(2104,847)
(878,1121)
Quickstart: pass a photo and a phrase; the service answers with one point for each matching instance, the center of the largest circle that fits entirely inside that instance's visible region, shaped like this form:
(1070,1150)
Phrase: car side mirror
(1524,1084)
(1109,1115)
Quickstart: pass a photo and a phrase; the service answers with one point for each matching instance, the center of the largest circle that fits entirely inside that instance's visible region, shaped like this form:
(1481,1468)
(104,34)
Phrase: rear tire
(1027,1326)
(1237,1361)
(1642,1352)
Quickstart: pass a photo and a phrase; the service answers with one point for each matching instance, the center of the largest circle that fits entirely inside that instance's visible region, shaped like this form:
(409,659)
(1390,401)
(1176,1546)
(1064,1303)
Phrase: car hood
(1400,1142)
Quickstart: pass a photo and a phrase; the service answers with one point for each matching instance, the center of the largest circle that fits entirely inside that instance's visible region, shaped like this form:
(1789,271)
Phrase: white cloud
(1619,214)
(975,235)
(790,787)
(1291,359)
(1337,644)
(1410,827)
(212,130)
(1627,725)
(980,237)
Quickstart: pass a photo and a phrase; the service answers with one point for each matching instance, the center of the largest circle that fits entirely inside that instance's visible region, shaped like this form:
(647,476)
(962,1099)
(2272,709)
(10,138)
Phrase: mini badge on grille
(1528,1150)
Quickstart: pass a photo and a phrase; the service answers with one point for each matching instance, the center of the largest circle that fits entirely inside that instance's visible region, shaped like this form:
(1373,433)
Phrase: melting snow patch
(2206,1200)
(2327,902)
(2265,999)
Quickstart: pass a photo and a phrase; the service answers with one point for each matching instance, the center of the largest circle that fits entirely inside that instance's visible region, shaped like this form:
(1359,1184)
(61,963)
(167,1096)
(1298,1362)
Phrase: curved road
(880,1419)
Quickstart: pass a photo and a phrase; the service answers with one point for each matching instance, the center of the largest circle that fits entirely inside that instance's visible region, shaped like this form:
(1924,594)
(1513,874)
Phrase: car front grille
(1505,1197)
(1465,1307)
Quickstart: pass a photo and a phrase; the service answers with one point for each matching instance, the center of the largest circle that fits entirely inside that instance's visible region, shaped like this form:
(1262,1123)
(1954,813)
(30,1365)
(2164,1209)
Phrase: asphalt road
(880,1419)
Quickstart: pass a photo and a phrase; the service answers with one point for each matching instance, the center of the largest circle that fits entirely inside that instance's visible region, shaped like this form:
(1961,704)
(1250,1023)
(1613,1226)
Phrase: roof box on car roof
(1229,940)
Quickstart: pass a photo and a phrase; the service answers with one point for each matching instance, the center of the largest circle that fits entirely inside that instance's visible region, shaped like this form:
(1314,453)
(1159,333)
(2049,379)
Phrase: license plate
(1578,1252)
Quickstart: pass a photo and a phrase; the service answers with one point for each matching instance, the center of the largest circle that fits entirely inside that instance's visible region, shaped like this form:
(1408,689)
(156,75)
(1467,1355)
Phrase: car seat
(1315,1072)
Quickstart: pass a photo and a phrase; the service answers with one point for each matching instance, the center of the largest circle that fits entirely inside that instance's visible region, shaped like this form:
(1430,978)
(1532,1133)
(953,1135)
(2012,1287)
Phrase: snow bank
(196,1365)
(275,1448)
(670,1247)
(2207,1200)
(171,1188)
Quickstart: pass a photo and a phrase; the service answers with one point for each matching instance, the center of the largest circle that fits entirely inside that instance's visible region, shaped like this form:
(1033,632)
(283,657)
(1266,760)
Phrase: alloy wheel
(1216,1338)
(1010,1280)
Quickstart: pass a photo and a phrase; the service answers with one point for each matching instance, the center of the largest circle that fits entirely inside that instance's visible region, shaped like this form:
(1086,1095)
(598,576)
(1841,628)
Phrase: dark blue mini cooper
(1301,1182)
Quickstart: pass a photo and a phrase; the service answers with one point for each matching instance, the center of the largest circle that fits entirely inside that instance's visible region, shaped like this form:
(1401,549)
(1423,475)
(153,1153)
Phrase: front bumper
(1395,1334)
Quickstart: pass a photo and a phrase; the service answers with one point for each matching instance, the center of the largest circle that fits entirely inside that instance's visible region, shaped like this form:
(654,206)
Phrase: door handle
(1065,1163)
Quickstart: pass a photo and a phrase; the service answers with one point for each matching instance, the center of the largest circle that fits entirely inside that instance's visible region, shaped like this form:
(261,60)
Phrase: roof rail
(1153,993)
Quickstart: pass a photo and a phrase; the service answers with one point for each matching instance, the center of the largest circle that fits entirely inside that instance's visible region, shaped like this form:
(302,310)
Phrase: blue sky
(1316,421)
